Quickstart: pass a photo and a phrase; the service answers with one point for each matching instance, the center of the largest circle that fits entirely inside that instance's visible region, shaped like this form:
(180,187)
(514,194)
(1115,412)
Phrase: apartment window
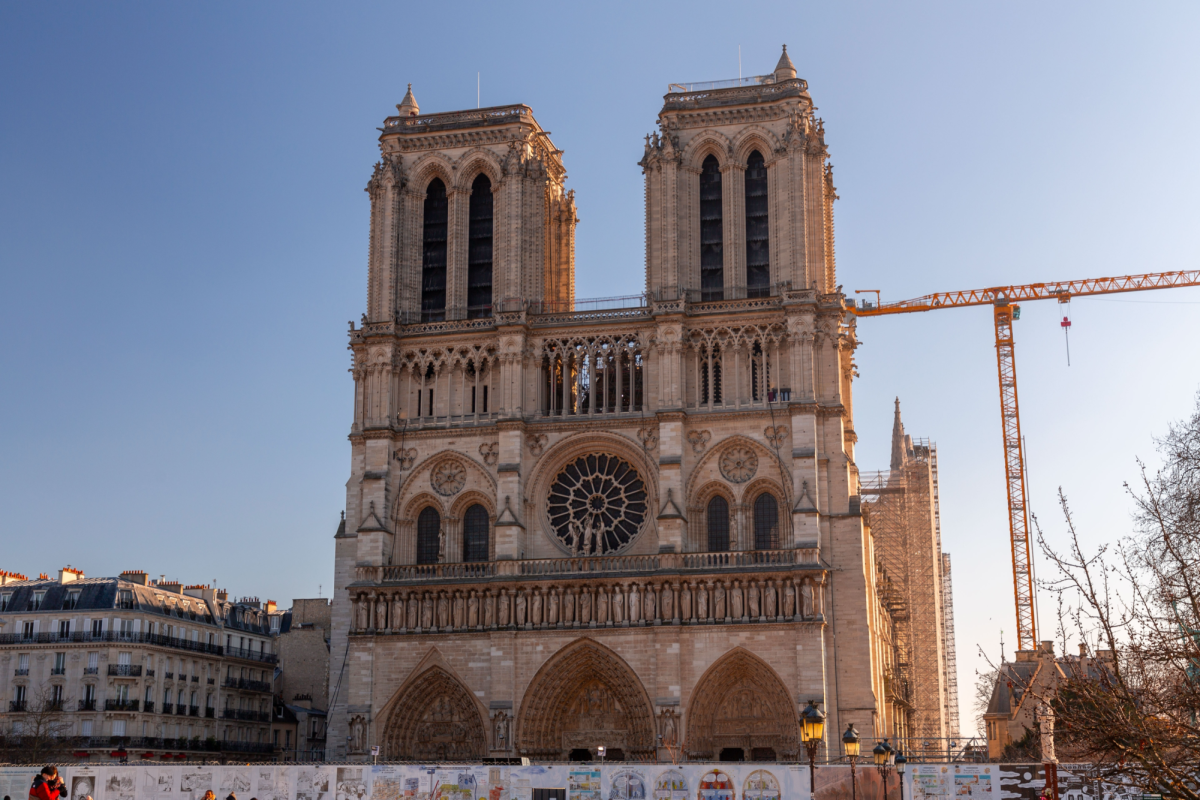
(149,695)
(72,600)
(64,628)
(287,740)
(5,601)
(23,664)
(166,698)
(27,630)
(19,693)
(122,692)
(89,693)
(712,256)
(97,627)
(758,255)
(85,728)
(479,249)
(93,661)
(60,663)
(433,256)
(126,628)
(118,727)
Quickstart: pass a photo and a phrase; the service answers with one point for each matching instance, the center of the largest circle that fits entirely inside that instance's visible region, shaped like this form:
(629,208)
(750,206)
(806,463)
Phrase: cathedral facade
(636,528)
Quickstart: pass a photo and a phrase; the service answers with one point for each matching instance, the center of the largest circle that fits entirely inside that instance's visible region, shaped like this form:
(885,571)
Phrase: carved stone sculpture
(739,463)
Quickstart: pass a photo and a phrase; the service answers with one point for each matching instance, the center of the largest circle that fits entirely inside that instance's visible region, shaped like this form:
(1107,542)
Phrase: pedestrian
(47,785)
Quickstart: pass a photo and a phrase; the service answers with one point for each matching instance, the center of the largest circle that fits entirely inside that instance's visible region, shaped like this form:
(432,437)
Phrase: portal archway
(741,703)
(585,696)
(434,718)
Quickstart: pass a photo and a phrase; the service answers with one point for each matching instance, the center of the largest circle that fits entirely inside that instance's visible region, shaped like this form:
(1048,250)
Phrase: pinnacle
(785,69)
(408,106)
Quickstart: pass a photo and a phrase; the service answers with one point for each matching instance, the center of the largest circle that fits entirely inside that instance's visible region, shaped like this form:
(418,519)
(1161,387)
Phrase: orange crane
(1003,300)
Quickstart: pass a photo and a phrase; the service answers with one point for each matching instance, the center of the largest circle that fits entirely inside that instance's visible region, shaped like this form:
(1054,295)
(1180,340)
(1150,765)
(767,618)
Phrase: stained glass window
(712,258)
(433,256)
(718,525)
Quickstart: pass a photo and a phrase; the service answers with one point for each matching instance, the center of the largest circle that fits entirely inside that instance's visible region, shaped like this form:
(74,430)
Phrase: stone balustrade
(780,595)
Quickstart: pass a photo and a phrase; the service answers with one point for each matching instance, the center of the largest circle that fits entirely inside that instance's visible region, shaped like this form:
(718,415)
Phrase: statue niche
(435,719)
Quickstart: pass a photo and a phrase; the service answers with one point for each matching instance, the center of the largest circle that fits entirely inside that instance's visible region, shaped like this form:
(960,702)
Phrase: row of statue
(590,605)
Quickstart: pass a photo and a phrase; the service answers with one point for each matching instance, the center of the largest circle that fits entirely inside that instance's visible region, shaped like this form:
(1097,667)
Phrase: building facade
(637,528)
(115,663)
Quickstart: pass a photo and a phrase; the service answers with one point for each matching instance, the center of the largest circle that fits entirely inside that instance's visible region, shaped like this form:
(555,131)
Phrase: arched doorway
(583,697)
(434,718)
(740,709)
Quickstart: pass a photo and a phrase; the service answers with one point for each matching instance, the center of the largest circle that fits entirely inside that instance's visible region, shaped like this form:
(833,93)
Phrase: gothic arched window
(428,525)
(758,250)
(718,525)
(479,250)
(475,534)
(712,258)
(433,254)
(766,522)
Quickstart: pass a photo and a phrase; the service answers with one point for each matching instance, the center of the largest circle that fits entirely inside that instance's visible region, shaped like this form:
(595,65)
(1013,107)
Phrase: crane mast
(1002,300)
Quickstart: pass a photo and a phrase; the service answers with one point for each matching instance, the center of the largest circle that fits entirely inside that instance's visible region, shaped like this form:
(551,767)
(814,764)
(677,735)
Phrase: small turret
(408,106)
(785,70)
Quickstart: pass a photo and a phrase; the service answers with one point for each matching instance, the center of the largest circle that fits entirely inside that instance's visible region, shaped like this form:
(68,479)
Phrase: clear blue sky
(183,235)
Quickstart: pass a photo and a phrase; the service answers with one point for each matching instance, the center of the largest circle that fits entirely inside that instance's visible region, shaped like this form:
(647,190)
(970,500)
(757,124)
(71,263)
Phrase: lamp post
(850,745)
(885,757)
(901,762)
(812,731)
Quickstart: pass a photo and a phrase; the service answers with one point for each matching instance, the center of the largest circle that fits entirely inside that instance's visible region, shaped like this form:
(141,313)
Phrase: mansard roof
(96,594)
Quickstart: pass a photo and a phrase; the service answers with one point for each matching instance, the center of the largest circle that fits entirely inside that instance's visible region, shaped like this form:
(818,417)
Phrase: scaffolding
(902,505)
(951,658)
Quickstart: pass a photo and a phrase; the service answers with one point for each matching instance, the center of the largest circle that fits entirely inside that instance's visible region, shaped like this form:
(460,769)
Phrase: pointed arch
(740,702)
(433,717)
(583,696)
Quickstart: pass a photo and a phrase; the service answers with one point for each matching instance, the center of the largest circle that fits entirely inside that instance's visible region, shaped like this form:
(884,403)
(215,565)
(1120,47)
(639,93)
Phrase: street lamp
(901,762)
(812,731)
(885,757)
(850,746)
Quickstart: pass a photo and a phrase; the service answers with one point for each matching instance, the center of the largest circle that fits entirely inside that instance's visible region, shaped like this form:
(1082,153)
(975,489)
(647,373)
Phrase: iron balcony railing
(88,705)
(17,706)
(83,637)
(121,705)
(148,706)
(251,655)
(125,670)
(248,685)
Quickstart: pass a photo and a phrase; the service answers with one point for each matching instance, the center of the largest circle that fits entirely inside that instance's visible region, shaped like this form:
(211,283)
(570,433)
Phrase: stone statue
(500,730)
(618,605)
(362,613)
(380,613)
(537,607)
(358,735)
(739,606)
(489,612)
(442,544)
(552,615)
(789,601)
(505,608)
(635,604)
(585,607)
(771,596)
(701,604)
(472,611)
(667,726)
(648,605)
(520,617)
(755,601)
(443,611)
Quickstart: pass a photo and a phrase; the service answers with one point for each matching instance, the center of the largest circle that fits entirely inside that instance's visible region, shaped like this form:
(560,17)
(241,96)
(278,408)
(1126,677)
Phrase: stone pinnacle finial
(898,448)
(408,106)
(785,70)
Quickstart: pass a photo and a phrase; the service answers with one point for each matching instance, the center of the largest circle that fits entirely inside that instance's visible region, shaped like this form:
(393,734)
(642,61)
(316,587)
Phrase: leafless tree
(1134,711)
(38,735)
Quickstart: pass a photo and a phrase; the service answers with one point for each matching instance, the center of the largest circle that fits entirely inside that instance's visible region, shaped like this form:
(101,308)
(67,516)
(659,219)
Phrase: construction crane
(1004,300)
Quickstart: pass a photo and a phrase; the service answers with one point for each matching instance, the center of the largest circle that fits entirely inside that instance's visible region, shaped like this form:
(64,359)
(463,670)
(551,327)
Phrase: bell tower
(469,215)
(739,197)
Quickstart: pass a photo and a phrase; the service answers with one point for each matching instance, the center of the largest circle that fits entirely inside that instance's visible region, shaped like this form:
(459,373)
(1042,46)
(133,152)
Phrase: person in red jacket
(47,785)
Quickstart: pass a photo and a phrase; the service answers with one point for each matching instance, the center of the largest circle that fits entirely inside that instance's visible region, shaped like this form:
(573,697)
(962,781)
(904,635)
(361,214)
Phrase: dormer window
(5,601)
(125,599)
(71,601)
(36,602)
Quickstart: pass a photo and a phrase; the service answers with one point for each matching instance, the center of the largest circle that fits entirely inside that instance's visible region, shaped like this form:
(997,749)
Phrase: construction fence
(691,781)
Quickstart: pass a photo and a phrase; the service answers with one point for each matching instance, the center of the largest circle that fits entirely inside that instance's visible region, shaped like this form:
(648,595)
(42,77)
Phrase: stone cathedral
(638,528)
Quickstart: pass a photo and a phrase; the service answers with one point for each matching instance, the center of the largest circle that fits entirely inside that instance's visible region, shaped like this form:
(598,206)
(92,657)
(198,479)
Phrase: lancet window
(433,254)
(596,375)
(736,367)
(758,250)
(475,534)
(429,526)
(718,524)
(766,522)
(479,250)
(712,256)
(447,385)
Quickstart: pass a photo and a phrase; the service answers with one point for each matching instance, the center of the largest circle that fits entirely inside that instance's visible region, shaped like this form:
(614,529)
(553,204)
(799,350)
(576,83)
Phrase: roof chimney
(11,577)
(270,606)
(134,576)
(170,586)
(67,574)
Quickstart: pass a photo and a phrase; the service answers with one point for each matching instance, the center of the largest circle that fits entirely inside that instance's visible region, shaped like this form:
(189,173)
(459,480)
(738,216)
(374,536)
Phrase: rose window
(597,505)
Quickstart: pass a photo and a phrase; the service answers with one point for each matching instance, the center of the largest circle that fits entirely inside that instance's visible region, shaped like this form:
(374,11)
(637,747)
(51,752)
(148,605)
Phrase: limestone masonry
(642,527)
